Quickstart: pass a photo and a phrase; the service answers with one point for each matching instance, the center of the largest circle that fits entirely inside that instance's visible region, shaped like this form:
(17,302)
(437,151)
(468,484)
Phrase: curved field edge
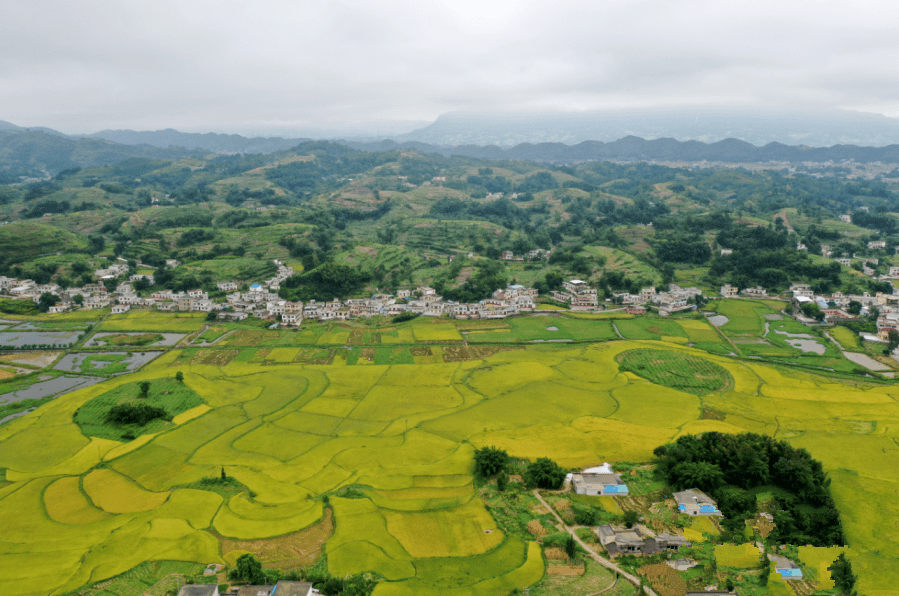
(572,403)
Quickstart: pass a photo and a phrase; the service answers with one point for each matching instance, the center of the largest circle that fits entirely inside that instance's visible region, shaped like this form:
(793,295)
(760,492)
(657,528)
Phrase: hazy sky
(85,65)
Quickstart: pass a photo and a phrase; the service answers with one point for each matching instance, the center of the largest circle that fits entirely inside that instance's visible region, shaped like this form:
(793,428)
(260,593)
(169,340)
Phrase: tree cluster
(728,467)
(139,414)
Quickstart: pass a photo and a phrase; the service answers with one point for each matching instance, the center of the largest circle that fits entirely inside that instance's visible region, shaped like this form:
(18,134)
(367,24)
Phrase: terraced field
(79,509)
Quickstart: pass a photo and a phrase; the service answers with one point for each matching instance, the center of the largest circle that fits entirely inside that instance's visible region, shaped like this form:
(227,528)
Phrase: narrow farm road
(601,560)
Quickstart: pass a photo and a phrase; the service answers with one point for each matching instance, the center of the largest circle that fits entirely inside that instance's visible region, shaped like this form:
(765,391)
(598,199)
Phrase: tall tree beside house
(46,301)
(893,336)
(489,461)
(544,473)
(248,569)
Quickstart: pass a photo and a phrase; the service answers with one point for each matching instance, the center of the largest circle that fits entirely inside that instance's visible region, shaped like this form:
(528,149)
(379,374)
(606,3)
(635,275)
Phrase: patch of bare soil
(288,552)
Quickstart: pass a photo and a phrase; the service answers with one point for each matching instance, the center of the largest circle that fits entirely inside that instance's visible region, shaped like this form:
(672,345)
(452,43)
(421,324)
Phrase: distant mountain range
(667,150)
(37,151)
(218,143)
(41,151)
(816,128)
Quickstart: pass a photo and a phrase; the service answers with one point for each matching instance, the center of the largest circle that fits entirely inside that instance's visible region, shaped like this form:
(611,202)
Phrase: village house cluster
(639,540)
(674,300)
(262,301)
(578,294)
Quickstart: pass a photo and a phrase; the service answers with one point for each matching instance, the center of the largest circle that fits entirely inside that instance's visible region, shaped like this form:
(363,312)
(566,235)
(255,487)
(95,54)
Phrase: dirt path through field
(601,560)
(609,589)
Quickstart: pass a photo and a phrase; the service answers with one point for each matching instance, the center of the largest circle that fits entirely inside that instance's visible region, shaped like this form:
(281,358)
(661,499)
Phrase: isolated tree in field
(544,473)
(570,547)
(144,388)
(842,576)
(179,376)
(489,461)
(224,476)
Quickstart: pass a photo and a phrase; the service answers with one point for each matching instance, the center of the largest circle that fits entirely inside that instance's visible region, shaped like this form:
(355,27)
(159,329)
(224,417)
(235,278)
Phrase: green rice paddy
(395,413)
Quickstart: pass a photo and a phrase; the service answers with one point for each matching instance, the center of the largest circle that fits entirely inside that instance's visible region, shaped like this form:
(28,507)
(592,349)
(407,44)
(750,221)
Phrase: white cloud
(229,65)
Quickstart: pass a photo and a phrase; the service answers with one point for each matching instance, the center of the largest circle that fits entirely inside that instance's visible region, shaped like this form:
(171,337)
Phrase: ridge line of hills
(41,151)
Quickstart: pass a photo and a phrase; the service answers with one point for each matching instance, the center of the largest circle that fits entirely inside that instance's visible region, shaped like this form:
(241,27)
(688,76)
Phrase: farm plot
(104,363)
(435,332)
(34,359)
(109,339)
(652,328)
(533,329)
(677,370)
(171,396)
(40,387)
(745,318)
(153,321)
(38,339)
(397,441)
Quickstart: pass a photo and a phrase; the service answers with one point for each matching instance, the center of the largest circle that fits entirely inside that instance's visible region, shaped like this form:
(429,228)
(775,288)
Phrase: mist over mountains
(817,128)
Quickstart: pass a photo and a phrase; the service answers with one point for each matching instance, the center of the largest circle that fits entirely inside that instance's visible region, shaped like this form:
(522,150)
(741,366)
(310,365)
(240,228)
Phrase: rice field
(397,438)
(154,321)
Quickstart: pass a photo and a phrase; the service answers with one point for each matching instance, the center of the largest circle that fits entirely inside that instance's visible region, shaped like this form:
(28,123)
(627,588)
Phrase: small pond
(47,388)
(74,362)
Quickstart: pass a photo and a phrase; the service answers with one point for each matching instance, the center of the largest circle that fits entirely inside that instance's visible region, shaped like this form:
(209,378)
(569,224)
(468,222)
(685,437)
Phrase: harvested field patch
(214,357)
(288,552)
(536,528)
(36,359)
(555,554)
(566,570)
(664,579)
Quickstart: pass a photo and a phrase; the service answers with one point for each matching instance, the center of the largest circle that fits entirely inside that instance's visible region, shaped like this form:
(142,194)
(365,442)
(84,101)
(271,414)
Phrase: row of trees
(491,462)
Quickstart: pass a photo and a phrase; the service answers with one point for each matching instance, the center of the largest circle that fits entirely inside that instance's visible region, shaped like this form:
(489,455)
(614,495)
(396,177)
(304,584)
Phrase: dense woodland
(732,469)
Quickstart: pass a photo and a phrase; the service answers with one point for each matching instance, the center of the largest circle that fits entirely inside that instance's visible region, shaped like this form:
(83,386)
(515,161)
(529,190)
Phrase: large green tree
(544,473)
(248,569)
(842,576)
(490,461)
(46,301)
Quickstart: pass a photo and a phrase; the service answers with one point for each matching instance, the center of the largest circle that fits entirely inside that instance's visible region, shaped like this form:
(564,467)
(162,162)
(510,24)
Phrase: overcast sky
(86,65)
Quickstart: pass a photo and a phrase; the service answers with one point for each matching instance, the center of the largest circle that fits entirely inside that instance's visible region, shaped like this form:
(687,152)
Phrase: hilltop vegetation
(398,218)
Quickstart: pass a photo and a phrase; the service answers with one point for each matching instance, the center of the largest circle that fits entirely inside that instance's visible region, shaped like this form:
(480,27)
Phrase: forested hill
(33,152)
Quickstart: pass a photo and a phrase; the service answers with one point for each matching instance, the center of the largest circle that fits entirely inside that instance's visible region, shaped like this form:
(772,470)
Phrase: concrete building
(695,502)
(599,481)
